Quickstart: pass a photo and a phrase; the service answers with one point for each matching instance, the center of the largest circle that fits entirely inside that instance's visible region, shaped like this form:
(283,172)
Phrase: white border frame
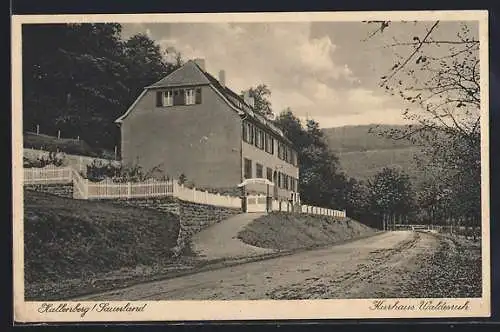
(243,310)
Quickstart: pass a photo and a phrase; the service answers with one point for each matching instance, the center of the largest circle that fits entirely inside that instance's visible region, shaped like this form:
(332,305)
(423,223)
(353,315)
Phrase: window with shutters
(189,96)
(247,132)
(159,98)
(198,96)
(179,98)
(168,98)
(176,97)
(259,171)
(269,174)
(247,171)
(257,137)
(269,143)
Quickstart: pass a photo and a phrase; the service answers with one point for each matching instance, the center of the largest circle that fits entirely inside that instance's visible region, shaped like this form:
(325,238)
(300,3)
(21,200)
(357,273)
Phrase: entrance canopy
(256,181)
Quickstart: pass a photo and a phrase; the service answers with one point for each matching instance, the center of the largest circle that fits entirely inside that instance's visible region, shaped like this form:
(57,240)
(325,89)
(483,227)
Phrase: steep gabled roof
(189,74)
(192,74)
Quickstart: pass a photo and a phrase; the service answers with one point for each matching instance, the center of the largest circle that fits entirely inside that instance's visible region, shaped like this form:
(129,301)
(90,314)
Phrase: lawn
(287,231)
(66,145)
(75,243)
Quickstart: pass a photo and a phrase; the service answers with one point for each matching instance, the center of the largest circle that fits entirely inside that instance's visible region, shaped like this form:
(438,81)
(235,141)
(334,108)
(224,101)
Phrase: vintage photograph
(250,158)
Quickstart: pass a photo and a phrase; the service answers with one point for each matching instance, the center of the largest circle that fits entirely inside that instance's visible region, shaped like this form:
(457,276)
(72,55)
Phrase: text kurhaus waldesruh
(423,305)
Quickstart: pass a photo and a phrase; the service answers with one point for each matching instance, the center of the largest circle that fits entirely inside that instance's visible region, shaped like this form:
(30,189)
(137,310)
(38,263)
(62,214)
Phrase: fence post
(86,189)
(175,188)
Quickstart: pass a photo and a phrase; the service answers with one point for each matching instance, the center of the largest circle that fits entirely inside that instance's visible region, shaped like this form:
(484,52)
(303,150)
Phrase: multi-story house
(191,123)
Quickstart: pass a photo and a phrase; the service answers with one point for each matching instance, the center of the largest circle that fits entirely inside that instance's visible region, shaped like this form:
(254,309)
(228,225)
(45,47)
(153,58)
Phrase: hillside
(66,145)
(286,231)
(363,153)
(359,138)
(75,244)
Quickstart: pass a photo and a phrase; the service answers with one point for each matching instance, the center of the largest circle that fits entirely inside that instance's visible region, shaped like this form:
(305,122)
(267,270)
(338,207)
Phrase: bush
(52,159)
(98,171)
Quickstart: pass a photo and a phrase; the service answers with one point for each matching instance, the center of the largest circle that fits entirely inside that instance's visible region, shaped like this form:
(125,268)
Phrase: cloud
(302,70)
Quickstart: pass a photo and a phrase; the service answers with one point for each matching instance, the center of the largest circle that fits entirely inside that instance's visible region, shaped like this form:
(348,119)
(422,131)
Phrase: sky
(326,71)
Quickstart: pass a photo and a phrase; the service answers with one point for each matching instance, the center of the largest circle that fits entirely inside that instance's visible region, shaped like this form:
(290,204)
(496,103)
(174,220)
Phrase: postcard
(250,166)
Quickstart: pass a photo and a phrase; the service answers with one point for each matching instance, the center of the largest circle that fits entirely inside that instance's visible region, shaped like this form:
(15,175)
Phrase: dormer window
(178,97)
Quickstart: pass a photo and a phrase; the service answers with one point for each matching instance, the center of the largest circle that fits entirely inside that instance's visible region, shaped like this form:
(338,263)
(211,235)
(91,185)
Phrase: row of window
(265,141)
(175,97)
(282,180)
(287,182)
(287,154)
(258,137)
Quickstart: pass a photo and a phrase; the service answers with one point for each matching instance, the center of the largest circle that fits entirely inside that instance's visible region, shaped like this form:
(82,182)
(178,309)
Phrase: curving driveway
(381,266)
(220,241)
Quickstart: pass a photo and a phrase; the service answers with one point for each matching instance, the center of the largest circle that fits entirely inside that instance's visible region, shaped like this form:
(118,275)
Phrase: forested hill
(362,138)
(363,153)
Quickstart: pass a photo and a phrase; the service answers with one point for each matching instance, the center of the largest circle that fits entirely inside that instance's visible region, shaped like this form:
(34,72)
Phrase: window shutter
(159,99)
(178,97)
(198,96)
(183,97)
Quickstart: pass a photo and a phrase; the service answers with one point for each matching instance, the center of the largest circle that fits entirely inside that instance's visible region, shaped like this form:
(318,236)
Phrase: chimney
(200,62)
(222,78)
(249,100)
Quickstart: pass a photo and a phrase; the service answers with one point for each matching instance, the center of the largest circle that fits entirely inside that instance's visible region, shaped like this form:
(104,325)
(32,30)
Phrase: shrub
(99,170)
(182,179)
(52,159)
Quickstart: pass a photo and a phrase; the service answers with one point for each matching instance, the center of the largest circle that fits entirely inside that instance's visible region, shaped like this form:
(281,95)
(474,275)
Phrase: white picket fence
(322,211)
(47,175)
(107,189)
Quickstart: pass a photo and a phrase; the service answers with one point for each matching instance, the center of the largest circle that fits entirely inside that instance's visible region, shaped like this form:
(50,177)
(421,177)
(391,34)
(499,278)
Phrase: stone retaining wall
(193,217)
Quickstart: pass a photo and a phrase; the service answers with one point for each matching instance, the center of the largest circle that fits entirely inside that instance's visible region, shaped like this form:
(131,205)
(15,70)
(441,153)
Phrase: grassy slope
(365,164)
(362,154)
(294,231)
(71,239)
(358,138)
(69,146)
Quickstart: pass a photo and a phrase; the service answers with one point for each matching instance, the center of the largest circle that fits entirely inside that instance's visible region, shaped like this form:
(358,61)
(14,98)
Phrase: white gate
(256,203)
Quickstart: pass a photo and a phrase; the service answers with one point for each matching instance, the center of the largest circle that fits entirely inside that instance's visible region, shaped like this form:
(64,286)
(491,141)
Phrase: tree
(391,195)
(438,78)
(145,63)
(320,181)
(440,81)
(78,78)
(261,94)
(358,202)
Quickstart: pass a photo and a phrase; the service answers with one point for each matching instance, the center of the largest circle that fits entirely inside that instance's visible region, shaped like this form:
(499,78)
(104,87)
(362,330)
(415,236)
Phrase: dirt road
(378,266)
(220,240)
